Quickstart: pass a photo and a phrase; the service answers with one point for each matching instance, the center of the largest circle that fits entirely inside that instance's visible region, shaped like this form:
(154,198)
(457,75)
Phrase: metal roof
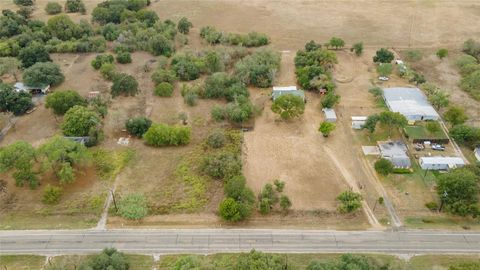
(287,91)
(330,113)
(409,102)
(442,160)
(285,88)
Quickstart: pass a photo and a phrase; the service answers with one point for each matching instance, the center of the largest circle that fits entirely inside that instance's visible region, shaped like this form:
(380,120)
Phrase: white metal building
(410,102)
(358,121)
(284,90)
(441,163)
(330,115)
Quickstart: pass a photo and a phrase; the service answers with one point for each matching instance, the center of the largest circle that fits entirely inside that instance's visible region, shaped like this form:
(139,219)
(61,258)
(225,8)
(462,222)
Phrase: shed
(476,152)
(396,152)
(285,90)
(330,115)
(80,140)
(439,163)
(38,89)
(358,121)
(410,102)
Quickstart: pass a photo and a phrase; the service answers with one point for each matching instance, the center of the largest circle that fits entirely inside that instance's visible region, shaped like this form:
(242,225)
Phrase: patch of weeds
(108,164)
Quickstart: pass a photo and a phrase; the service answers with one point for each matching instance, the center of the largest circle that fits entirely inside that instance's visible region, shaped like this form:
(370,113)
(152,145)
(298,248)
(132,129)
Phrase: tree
(455,115)
(383,56)
(124,84)
(230,210)
(467,135)
(184,25)
(62,156)
(62,101)
(255,260)
(358,48)
(23,2)
(439,99)
(41,74)
(312,46)
(21,157)
(25,12)
(33,53)
(133,206)
(10,65)
(53,8)
(163,135)
(138,126)
(371,123)
(384,69)
(392,120)
(240,110)
(15,102)
(101,59)
(383,166)
(288,106)
(442,53)
(185,67)
(326,128)
(62,27)
(223,165)
(330,100)
(164,75)
(72,6)
(124,58)
(259,68)
(433,126)
(336,43)
(161,45)
(79,121)
(413,55)
(109,259)
(285,203)
(459,190)
(349,201)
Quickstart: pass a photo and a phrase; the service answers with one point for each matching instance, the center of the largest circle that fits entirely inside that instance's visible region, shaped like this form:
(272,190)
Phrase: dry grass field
(315,169)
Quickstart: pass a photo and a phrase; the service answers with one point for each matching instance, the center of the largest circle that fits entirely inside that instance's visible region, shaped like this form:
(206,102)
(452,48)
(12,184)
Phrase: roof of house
(330,113)
(442,160)
(292,90)
(24,87)
(396,152)
(408,101)
(359,118)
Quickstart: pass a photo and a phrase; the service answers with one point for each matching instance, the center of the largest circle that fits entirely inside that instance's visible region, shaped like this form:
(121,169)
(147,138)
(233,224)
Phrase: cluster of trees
(469,65)
(388,119)
(164,135)
(238,111)
(259,68)
(58,155)
(271,195)
(437,97)
(252,39)
(313,67)
(349,201)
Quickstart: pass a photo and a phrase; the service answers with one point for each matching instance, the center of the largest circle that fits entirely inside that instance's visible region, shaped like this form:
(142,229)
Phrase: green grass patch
(108,164)
(21,262)
(442,222)
(428,262)
(419,131)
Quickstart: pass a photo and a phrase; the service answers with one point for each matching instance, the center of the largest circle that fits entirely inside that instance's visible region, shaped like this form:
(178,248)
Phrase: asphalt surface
(202,241)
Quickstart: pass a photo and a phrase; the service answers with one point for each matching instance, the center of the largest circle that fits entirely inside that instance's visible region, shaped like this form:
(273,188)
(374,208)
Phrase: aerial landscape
(254,134)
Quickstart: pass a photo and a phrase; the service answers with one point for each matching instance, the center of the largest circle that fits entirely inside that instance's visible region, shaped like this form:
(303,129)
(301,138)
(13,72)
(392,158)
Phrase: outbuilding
(410,102)
(358,122)
(476,152)
(285,90)
(439,163)
(396,152)
(330,115)
(38,89)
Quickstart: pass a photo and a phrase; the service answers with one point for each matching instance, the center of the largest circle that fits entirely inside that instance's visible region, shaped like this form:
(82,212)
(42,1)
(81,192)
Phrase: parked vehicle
(438,147)
(383,78)
(419,147)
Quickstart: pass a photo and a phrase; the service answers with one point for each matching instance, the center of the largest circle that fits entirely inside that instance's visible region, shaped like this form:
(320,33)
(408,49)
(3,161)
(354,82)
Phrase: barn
(410,102)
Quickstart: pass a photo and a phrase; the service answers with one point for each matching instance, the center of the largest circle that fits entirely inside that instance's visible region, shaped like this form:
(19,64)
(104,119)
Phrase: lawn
(419,131)
(21,262)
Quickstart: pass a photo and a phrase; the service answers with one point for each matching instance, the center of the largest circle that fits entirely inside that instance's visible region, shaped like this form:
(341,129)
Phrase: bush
(52,194)
(15,102)
(330,100)
(53,8)
(455,115)
(259,68)
(401,171)
(384,69)
(234,187)
(288,106)
(383,56)
(433,126)
(326,128)
(78,121)
(217,139)
(336,43)
(72,6)
(358,48)
(471,84)
(41,74)
(101,59)
(349,201)
(466,135)
(230,210)
(413,55)
(23,2)
(163,135)
(239,111)
(442,53)
(163,75)
(161,45)
(218,113)
(279,185)
(185,67)
(164,89)
(62,101)
(124,84)
(432,206)
(133,206)
(109,259)
(383,166)
(138,126)
(124,58)
(222,166)
(108,71)
(285,203)
(184,25)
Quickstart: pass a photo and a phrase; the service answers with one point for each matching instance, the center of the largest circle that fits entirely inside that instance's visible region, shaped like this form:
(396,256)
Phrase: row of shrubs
(71,6)
(252,39)
(158,134)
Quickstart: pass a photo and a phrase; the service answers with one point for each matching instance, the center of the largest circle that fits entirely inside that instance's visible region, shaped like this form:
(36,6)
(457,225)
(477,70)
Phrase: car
(383,78)
(438,147)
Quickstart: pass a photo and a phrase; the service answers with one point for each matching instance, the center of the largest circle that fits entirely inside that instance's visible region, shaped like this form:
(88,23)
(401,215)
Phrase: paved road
(235,240)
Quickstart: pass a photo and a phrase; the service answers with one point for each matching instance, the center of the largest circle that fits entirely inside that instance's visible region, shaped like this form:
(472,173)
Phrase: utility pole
(114,201)
(444,197)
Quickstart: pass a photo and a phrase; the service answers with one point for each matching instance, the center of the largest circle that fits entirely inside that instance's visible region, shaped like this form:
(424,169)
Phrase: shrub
(124,58)
(279,185)
(185,67)
(288,106)
(471,84)
(230,210)
(336,43)
(184,25)
(23,2)
(33,53)
(383,166)
(401,171)
(259,68)
(161,45)
(62,101)
(78,121)
(164,89)
(133,206)
(217,139)
(442,53)
(383,56)
(330,100)
(433,126)
(285,203)
(108,71)
(455,115)
(466,135)
(218,113)
(413,55)
(163,135)
(234,187)
(432,206)
(240,110)
(163,75)
(72,6)
(384,69)
(53,8)
(109,259)
(358,48)
(223,165)
(43,74)
(349,201)
(138,126)
(124,84)
(101,59)
(52,194)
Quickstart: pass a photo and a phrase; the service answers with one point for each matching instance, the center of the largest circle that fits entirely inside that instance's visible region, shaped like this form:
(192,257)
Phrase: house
(330,115)
(439,163)
(410,102)
(396,152)
(285,90)
(21,87)
(358,121)
(477,153)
